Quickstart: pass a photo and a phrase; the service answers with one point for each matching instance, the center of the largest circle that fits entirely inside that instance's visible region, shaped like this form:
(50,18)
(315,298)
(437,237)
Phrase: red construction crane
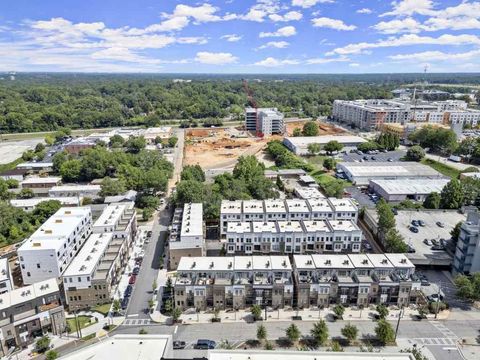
(253,104)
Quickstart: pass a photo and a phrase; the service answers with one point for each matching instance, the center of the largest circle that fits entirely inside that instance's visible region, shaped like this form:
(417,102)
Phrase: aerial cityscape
(240,180)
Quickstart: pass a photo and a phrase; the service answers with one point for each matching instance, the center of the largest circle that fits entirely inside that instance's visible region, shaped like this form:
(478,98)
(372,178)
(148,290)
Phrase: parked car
(427,242)
(373,158)
(414,223)
(136,270)
(421,222)
(435,297)
(365,158)
(124,303)
(411,249)
(384,150)
(132,280)
(440,224)
(177,345)
(367,246)
(128,291)
(149,233)
(205,344)
(414,229)
(434,242)
(390,160)
(438,247)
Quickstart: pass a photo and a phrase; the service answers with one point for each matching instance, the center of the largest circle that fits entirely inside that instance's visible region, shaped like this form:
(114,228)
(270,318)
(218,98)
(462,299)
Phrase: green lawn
(102,309)
(83,320)
(330,185)
(11,165)
(316,160)
(442,168)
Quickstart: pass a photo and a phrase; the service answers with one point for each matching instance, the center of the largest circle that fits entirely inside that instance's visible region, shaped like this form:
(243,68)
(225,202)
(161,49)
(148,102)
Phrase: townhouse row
(318,280)
(286,210)
(293,237)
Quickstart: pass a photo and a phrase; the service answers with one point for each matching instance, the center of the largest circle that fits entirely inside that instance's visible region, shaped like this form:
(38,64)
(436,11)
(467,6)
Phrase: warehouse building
(402,189)
(362,173)
(299,144)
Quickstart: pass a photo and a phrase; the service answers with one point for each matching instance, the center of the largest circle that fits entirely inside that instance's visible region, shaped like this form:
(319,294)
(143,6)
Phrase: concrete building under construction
(264,121)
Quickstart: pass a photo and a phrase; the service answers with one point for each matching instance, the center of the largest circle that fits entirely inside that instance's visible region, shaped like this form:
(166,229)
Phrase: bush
(339,310)
(384,332)
(415,153)
(51,355)
(42,344)
(256,311)
(382,311)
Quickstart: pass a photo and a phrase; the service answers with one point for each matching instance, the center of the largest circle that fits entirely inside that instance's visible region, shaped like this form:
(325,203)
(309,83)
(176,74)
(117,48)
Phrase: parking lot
(379,157)
(423,252)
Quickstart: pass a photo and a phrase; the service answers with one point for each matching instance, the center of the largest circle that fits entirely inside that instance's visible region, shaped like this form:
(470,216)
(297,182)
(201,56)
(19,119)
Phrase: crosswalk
(435,341)
(137,322)
(444,330)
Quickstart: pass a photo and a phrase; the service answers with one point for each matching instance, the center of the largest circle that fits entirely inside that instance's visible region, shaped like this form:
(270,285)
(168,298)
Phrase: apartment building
(371,114)
(90,191)
(293,237)
(6,280)
(467,252)
(286,210)
(266,121)
(186,234)
(355,279)
(119,219)
(234,282)
(28,312)
(49,250)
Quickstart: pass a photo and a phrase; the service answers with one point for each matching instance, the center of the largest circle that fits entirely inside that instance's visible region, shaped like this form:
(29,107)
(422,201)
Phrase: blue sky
(240,36)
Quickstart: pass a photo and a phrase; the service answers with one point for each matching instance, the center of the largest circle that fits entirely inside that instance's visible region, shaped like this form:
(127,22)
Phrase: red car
(132,279)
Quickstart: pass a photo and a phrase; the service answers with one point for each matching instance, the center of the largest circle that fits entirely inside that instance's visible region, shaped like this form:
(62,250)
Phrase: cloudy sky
(240,36)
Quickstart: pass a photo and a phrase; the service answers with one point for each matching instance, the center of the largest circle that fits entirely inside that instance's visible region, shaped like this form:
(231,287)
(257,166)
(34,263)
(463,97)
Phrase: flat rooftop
(410,186)
(67,200)
(4,269)
(253,206)
(309,193)
(378,168)
(89,255)
(320,205)
(112,214)
(297,206)
(343,205)
(41,180)
(234,263)
(192,220)
(343,225)
(275,206)
(75,187)
(301,141)
(28,293)
(231,207)
(303,355)
(52,233)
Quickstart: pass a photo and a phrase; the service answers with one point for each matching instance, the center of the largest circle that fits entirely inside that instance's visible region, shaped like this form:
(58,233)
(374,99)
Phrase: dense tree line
(33,103)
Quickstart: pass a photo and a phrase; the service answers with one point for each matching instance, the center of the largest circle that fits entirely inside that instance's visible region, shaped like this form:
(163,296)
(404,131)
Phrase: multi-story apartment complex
(49,250)
(266,121)
(186,234)
(6,280)
(467,253)
(286,210)
(91,276)
(371,114)
(28,312)
(296,236)
(233,282)
(357,279)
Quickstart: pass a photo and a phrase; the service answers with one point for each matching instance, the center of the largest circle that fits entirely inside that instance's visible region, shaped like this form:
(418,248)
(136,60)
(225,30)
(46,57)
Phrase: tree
(116,306)
(310,129)
(455,233)
(350,332)
(172,141)
(386,218)
(135,144)
(26,193)
(71,170)
(297,132)
(248,167)
(432,201)
(465,288)
(385,332)
(382,311)
(39,147)
(176,313)
(28,155)
(256,312)
(168,306)
(452,195)
(394,242)
(339,310)
(42,344)
(45,209)
(12,183)
(193,172)
(112,187)
(319,332)
(314,149)
(332,146)
(335,347)
(415,153)
(437,139)
(49,140)
(329,163)
(293,333)
(51,355)
(117,141)
(261,333)
(58,159)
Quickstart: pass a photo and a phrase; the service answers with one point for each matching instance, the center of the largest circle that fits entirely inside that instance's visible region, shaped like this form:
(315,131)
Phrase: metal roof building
(401,189)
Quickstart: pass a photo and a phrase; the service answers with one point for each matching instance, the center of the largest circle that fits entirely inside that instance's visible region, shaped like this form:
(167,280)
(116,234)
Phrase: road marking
(435,341)
(132,315)
(449,348)
(175,331)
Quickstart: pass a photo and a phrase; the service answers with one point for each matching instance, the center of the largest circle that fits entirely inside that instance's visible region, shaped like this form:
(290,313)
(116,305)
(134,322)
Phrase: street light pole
(398,322)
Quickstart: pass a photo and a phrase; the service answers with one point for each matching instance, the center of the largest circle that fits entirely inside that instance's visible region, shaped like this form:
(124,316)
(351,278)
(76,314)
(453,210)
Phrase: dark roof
(14,172)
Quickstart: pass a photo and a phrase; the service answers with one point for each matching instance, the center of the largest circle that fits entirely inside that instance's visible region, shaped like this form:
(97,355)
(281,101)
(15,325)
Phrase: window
(28,273)
(38,266)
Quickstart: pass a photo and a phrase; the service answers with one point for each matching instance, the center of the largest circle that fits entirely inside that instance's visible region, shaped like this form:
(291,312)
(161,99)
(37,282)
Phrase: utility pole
(438,301)
(398,322)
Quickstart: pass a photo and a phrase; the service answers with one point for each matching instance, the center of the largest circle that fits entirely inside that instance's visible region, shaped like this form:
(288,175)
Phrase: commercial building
(36,166)
(264,121)
(402,189)
(186,234)
(308,193)
(286,210)
(293,237)
(362,173)
(28,312)
(77,145)
(233,282)
(91,277)
(299,144)
(128,347)
(30,204)
(357,279)
(89,191)
(40,185)
(467,253)
(49,250)
(304,355)
(373,113)
(6,280)
(14,174)
(151,134)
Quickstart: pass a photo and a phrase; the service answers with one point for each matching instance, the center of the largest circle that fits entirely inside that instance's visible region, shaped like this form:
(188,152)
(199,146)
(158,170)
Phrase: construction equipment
(253,104)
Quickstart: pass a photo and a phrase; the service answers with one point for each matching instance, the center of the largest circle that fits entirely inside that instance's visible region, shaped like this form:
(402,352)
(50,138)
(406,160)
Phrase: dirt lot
(216,148)
(325,129)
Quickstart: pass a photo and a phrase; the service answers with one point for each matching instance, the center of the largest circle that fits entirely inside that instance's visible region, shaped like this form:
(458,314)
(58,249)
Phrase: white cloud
(332,24)
(354,64)
(398,26)
(121,54)
(232,37)
(173,24)
(282,32)
(197,40)
(408,40)
(272,62)
(364,11)
(201,14)
(275,44)
(309,3)
(211,58)
(261,9)
(410,7)
(289,16)
(437,56)
(317,61)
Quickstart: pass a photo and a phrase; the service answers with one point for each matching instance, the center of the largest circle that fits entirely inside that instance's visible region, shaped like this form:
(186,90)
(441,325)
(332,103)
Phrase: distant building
(40,185)
(30,204)
(6,280)
(77,145)
(151,134)
(90,191)
(467,253)
(36,166)
(187,237)
(14,174)
(253,354)
(402,189)
(299,144)
(28,312)
(266,121)
(308,193)
(50,249)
